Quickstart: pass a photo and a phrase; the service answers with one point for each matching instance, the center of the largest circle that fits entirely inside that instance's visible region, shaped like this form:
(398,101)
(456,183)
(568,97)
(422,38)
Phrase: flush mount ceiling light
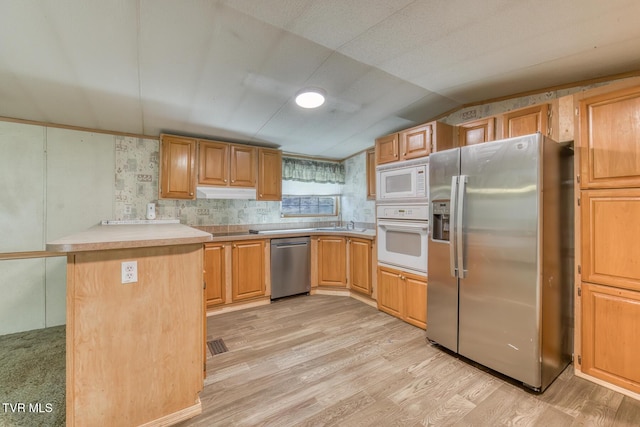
(310,98)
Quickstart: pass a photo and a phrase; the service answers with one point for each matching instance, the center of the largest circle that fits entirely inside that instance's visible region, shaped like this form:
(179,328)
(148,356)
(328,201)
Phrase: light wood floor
(330,360)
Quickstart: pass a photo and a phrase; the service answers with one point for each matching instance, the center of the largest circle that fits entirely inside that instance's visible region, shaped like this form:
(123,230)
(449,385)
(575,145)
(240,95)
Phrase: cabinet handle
(191,194)
(404,154)
(399,276)
(233,180)
(261,195)
(235,246)
(225,180)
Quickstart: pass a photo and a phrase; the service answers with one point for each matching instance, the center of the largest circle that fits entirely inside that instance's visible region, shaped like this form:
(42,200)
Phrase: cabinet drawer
(610,236)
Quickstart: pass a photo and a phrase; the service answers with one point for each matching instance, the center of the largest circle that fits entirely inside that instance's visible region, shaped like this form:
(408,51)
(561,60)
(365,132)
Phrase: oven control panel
(405,211)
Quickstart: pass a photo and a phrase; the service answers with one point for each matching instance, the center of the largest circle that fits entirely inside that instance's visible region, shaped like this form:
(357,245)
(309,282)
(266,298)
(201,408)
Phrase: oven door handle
(403,226)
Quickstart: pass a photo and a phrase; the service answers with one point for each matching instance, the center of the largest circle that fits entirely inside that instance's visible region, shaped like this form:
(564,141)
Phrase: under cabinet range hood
(225,193)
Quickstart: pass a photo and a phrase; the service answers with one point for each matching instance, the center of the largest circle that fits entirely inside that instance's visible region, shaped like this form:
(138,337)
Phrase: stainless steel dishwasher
(290,266)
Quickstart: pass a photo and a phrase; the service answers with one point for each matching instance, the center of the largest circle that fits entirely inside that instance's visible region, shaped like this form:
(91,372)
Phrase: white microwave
(403,181)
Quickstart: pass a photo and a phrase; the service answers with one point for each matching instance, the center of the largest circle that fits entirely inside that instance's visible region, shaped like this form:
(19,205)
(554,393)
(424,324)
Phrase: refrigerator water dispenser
(441,220)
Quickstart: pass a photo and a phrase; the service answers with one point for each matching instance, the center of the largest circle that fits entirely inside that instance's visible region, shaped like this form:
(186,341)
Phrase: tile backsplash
(136,184)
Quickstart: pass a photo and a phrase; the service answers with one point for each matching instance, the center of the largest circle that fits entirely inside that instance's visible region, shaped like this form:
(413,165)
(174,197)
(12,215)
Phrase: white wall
(54,182)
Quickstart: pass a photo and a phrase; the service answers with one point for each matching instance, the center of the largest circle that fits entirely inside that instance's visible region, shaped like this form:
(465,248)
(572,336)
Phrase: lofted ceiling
(229,69)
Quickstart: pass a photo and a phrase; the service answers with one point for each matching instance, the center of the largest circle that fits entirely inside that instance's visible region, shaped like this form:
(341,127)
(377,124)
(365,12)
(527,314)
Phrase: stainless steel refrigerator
(501,256)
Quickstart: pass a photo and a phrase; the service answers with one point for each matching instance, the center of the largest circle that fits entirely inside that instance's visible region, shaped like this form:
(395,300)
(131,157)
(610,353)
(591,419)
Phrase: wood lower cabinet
(611,335)
(214,274)
(360,265)
(371,175)
(609,138)
(332,261)
(269,174)
(476,132)
(415,300)
(177,167)
(403,295)
(526,121)
(248,269)
(390,292)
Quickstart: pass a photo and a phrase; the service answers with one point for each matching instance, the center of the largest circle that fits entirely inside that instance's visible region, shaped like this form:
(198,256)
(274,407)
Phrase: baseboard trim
(610,386)
(176,417)
(235,307)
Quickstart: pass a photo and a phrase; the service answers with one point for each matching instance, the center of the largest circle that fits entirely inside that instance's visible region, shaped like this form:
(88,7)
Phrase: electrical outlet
(130,272)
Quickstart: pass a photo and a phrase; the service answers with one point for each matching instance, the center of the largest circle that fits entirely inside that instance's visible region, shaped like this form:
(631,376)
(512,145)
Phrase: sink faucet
(352,225)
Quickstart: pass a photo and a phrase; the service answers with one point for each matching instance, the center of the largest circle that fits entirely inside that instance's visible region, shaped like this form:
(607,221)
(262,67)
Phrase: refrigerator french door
(500,257)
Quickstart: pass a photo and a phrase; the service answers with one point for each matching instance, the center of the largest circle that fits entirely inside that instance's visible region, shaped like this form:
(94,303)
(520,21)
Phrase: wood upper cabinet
(476,132)
(387,149)
(213,163)
(360,265)
(225,164)
(415,300)
(390,291)
(243,160)
(269,174)
(178,168)
(610,236)
(609,138)
(418,141)
(214,274)
(611,335)
(248,264)
(526,121)
(415,142)
(371,174)
(332,261)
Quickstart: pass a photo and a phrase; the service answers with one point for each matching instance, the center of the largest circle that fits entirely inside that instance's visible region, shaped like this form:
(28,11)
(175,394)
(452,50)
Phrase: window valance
(307,170)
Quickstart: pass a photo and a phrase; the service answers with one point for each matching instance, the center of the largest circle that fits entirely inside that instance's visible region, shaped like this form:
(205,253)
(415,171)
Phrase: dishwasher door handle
(290,245)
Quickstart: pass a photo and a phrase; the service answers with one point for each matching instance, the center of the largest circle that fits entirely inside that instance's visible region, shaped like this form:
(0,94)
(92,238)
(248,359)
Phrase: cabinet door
(526,121)
(610,140)
(214,163)
(611,335)
(390,291)
(360,265)
(243,166)
(214,274)
(248,269)
(269,174)
(415,142)
(332,261)
(177,171)
(387,149)
(415,301)
(476,132)
(610,236)
(371,175)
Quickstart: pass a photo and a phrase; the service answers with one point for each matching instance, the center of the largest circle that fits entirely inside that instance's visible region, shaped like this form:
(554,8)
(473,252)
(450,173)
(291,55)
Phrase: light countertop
(103,237)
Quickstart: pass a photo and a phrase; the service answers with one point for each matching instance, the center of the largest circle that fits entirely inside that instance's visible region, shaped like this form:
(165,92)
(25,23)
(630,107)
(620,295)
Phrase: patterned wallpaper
(136,184)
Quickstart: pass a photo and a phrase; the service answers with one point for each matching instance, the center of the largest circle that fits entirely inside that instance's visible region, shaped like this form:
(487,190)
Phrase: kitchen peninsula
(134,336)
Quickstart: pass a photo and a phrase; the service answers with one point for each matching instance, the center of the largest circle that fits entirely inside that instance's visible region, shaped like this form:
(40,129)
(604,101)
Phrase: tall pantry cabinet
(609,267)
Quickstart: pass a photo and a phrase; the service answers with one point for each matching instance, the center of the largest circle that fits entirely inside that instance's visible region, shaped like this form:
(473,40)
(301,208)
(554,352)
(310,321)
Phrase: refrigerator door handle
(462,184)
(452,233)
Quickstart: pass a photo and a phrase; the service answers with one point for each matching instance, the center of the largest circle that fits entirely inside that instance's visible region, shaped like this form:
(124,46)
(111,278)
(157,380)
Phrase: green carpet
(32,378)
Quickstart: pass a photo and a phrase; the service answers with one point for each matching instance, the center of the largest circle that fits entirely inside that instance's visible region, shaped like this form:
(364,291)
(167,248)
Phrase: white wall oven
(403,181)
(402,236)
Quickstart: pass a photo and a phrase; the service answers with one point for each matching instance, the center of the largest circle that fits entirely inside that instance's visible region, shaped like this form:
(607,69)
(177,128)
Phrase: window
(309,205)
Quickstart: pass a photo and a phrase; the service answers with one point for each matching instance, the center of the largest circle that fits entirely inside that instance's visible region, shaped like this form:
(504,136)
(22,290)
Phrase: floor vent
(217,346)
